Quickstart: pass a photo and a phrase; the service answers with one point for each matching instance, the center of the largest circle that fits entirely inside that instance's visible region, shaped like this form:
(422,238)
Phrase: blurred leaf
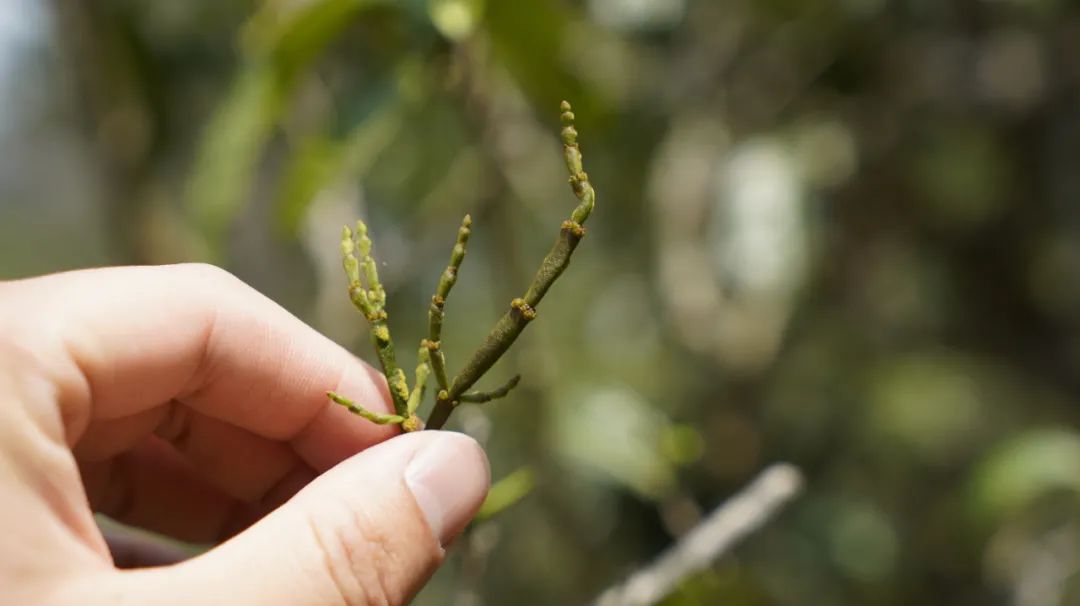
(1024,468)
(963,173)
(456,19)
(527,36)
(929,403)
(863,541)
(294,32)
(681,444)
(230,151)
(278,44)
(506,492)
(320,162)
(615,433)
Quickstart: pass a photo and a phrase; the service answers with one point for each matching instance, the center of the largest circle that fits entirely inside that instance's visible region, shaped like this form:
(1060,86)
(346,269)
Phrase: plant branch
(422,372)
(523,310)
(729,523)
(371,301)
(437,361)
(368,295)
(501,337)
(436,312)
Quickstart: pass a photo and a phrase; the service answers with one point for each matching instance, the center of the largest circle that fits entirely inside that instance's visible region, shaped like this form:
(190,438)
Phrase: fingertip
(449,479)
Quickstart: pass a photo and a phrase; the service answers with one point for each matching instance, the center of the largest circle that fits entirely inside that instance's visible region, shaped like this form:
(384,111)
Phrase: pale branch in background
(729,523)
(368,295)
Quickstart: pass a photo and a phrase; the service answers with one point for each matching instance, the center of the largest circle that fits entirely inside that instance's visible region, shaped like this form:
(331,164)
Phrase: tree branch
(739,516)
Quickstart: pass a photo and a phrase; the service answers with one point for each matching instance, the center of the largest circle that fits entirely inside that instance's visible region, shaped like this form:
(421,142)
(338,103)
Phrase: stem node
(523,309)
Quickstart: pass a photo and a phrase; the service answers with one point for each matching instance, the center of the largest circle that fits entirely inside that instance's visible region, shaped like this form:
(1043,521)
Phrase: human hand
(179,400)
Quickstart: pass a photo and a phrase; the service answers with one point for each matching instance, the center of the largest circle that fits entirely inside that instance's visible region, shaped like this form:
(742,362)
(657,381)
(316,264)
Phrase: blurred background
(844,234)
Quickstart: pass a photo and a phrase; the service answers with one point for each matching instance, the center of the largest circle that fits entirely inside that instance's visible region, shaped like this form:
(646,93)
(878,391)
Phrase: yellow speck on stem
(382,333)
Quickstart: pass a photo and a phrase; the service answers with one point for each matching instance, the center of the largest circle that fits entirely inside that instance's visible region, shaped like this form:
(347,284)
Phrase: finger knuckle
(207,273)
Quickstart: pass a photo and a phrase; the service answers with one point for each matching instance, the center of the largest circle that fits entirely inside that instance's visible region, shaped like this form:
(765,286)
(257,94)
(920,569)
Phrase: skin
(179,400)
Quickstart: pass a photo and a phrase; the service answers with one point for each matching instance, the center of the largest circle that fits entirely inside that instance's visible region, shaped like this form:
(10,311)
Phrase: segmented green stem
(422,372)
(523,310)
(579,180)
(355,408)
(436,312)
(368,295)
(371,301)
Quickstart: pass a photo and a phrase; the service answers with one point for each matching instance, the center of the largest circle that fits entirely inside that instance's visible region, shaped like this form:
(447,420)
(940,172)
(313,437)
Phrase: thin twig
(732,521)
(423,369)
(480,397)
(356,409)
(436,312)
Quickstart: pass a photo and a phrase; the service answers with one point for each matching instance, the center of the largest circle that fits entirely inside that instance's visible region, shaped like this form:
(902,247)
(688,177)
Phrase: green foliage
(321,161)
(279,44)
(1027,467)
(506,492)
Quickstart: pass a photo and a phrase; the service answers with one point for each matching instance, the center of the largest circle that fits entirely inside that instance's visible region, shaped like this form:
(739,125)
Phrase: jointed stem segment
(420,384)
(371,301)
(354,408)
(438,303)
(479,397)
(523,310)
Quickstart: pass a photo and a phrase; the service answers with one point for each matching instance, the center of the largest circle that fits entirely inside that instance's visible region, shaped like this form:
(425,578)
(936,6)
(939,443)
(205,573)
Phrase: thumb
(369,531)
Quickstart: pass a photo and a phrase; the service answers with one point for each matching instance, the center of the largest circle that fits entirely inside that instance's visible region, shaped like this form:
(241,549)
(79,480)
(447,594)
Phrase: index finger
(118,342)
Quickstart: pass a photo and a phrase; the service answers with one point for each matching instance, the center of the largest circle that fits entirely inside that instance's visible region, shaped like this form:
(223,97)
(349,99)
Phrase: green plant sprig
(368,295)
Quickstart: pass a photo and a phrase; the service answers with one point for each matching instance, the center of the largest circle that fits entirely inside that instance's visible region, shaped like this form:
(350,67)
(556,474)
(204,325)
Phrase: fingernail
(449,479)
